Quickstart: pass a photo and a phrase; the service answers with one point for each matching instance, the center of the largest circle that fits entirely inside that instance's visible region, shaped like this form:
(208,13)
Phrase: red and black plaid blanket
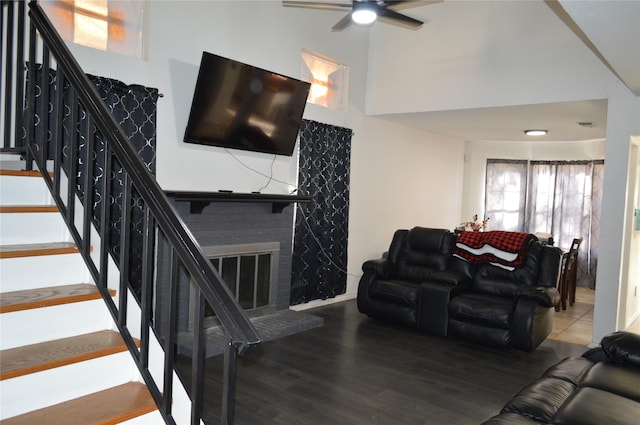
(498,247)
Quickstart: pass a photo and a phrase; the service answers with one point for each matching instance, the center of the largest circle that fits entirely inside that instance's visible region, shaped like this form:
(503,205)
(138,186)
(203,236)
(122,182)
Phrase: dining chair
(568,275)
(573,269)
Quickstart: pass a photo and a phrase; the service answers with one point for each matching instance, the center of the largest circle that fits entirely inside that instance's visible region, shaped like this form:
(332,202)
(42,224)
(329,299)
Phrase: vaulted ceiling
(610,29)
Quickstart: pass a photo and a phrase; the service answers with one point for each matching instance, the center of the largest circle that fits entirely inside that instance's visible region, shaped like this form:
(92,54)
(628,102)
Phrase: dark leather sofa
(601,387)
(422,283)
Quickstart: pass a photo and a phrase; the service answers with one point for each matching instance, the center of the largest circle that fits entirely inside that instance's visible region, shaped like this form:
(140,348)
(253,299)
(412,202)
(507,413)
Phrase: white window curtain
(505,190)
(562,198)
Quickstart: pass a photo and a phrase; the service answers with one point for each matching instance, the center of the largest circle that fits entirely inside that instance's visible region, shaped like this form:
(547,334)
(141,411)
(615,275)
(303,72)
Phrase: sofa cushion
(540,400)
(489,310)
(395,291)
(590,406)
(614,379)
(413,270)
(622,348)
(425,250)
(571,369)
(428,240)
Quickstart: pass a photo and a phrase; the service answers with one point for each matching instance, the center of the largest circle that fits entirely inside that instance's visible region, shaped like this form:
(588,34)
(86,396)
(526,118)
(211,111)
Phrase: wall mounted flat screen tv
(240,106)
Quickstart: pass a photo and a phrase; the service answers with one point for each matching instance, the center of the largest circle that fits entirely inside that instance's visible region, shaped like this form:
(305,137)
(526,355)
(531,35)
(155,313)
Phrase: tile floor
(574,325)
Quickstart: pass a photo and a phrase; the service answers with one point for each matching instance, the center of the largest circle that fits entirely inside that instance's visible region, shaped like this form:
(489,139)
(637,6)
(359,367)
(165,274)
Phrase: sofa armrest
(379,266)
(618,347)
(450,278)
(545,296)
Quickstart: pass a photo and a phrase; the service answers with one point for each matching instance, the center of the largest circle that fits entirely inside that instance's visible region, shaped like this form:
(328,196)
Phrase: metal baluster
(229,383)
(87,221)
(170,336)
(43,110)
(105,217)
(73,157)
(58,137)
(146,307)
(197,362)
(125,223)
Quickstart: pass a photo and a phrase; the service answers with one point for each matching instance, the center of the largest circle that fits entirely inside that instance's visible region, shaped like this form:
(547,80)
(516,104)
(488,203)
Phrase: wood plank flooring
(355,370)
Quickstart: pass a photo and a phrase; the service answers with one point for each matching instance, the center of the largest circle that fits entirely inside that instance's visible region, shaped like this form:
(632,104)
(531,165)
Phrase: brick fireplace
(248,238)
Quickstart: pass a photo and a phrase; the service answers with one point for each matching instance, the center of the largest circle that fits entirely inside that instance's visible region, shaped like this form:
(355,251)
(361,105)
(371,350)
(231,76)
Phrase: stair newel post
(125,223)
(229,383)
(197,365)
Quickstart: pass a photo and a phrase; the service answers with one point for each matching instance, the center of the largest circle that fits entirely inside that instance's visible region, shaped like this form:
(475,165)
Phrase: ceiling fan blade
(406,4)
(398,18)
(317,5)
(342,23)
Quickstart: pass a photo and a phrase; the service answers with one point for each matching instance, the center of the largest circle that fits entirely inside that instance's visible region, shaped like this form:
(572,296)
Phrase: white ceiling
(610,28)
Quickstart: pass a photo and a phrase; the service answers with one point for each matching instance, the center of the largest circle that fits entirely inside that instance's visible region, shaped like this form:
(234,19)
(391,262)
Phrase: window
(110,25)
(328,80)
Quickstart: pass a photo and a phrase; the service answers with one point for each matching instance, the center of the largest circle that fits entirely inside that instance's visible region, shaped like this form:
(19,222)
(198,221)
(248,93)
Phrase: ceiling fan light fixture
(363,16)
(536,132)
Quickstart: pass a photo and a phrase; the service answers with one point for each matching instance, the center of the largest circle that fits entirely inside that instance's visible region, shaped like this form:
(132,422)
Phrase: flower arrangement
(475,225)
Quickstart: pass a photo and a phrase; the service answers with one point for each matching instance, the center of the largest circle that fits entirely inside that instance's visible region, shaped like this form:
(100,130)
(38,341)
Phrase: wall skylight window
(328,78)
(110,25)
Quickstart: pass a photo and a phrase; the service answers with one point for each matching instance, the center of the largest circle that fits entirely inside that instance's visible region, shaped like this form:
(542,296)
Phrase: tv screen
(240,106)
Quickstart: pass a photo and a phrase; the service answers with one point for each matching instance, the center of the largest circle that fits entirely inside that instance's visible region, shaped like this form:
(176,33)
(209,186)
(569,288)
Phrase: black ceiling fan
(368,11)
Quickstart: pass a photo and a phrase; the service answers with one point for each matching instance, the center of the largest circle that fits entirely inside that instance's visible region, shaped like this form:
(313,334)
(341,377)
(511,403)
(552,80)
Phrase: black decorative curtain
(319,263)
(134,108)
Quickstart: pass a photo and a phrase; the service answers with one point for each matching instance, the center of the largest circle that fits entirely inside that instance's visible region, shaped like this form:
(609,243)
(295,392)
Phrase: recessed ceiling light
(535,132)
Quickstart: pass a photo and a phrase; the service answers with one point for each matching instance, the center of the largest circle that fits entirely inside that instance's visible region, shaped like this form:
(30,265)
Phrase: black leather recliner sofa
(426,282)
(601,387)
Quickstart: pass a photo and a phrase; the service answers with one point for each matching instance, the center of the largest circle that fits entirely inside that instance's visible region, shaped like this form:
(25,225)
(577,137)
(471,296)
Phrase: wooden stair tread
(21,173)
(31,250)
(28,209)
(110,406)
(33,358)
(49,296)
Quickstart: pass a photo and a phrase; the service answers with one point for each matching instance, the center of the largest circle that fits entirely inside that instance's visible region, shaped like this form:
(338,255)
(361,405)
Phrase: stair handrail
(242,335)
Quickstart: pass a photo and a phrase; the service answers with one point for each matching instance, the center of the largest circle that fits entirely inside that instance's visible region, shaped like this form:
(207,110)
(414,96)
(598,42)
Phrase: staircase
(62,360)
(58,340)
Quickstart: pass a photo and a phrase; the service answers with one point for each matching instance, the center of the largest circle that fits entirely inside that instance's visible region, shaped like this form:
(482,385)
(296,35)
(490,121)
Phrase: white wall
(477,153)
(401,177)
(510,64)
(623,123)
(631,271)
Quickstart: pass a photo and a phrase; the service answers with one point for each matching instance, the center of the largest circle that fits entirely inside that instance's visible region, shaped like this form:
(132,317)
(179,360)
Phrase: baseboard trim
(321,303)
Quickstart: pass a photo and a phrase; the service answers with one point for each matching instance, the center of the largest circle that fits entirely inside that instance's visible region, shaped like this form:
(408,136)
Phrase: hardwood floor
(355,370)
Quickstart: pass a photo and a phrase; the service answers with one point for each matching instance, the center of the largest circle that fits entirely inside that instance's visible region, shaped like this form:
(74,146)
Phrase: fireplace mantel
(199,200)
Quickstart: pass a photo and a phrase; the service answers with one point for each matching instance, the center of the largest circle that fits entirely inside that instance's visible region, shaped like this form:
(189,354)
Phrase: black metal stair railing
(54,117)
